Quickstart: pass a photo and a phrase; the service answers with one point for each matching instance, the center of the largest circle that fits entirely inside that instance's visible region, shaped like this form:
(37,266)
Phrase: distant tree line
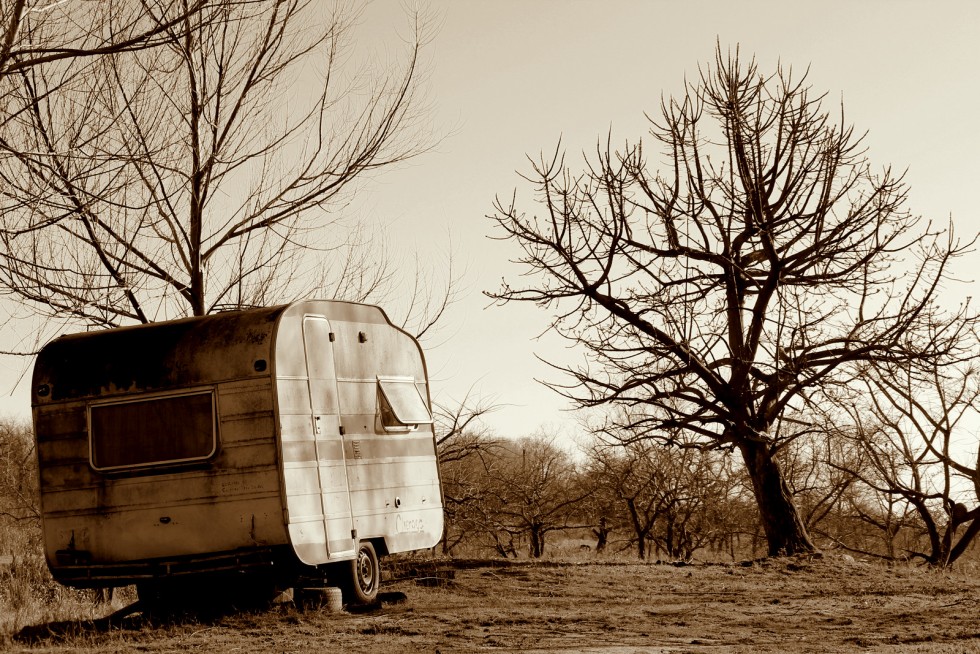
(20,502)
(887,474)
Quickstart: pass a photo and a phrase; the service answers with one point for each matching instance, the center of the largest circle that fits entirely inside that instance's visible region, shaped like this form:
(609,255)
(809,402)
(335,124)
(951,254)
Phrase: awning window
(402,405)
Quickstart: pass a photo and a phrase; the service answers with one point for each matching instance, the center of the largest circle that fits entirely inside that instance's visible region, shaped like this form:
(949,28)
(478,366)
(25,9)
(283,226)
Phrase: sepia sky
(508,78)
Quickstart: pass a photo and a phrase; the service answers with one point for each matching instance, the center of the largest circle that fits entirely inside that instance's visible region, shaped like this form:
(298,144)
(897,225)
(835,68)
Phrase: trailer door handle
(316,424)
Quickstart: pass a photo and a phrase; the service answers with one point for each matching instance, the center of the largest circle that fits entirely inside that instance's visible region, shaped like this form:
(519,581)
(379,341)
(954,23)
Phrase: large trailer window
(401,404)
(154,431)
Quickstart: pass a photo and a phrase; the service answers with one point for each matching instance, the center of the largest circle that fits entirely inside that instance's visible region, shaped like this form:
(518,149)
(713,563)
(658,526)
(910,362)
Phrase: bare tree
(38,32)
(698,492)
(885,525)
(204,172)
(757,269)
(673,498)
(467,496)
(916,426)
(466,448)
(626,475)
(600,510)
(818,464)
(19,496)
(460,431)
(535,490)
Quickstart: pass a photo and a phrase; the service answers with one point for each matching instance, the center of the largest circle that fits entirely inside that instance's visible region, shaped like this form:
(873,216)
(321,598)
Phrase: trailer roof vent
(401,405)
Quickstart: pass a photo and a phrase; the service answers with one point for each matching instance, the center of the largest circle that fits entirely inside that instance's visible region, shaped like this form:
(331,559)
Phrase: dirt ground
(829,604)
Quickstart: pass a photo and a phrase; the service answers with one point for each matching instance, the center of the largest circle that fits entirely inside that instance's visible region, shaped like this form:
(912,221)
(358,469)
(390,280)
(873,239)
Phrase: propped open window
(401,405)
(156,431)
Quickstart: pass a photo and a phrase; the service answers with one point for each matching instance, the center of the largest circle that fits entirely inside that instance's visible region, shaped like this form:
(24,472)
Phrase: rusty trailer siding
(234,502)
(229,501)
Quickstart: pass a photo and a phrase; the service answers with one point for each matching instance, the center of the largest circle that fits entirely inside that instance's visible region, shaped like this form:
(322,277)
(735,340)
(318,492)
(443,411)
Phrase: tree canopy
(181,177)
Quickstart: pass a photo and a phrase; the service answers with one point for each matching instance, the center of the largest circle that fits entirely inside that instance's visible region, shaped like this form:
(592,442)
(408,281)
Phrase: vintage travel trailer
(270,445)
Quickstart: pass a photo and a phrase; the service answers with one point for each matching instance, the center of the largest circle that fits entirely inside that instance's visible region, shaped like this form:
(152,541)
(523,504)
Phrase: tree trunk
(602,535)
(641,533)
(537,542)
(669,546)
(785,532)
(965,540)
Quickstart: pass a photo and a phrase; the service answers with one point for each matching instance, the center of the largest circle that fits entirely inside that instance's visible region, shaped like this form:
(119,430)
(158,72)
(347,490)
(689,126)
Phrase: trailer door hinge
(342,430)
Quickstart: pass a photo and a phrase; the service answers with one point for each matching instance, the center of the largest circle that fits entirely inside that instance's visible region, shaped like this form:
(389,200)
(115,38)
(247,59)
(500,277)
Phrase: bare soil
(829,604)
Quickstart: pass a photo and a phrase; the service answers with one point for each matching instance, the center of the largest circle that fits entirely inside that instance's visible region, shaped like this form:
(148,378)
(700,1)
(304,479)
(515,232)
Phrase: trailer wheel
(363,576)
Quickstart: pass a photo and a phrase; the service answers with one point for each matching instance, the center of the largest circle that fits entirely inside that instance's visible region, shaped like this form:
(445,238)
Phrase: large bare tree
(719,295)
(203,172)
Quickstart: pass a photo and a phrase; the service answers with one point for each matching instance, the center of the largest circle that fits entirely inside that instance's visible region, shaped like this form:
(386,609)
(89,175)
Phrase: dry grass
(824,605)
(29,596)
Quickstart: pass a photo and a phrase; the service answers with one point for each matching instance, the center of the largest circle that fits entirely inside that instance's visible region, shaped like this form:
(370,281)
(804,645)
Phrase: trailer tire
(363,576)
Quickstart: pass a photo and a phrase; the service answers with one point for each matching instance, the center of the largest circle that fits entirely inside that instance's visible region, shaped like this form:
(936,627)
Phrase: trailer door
(338,521)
